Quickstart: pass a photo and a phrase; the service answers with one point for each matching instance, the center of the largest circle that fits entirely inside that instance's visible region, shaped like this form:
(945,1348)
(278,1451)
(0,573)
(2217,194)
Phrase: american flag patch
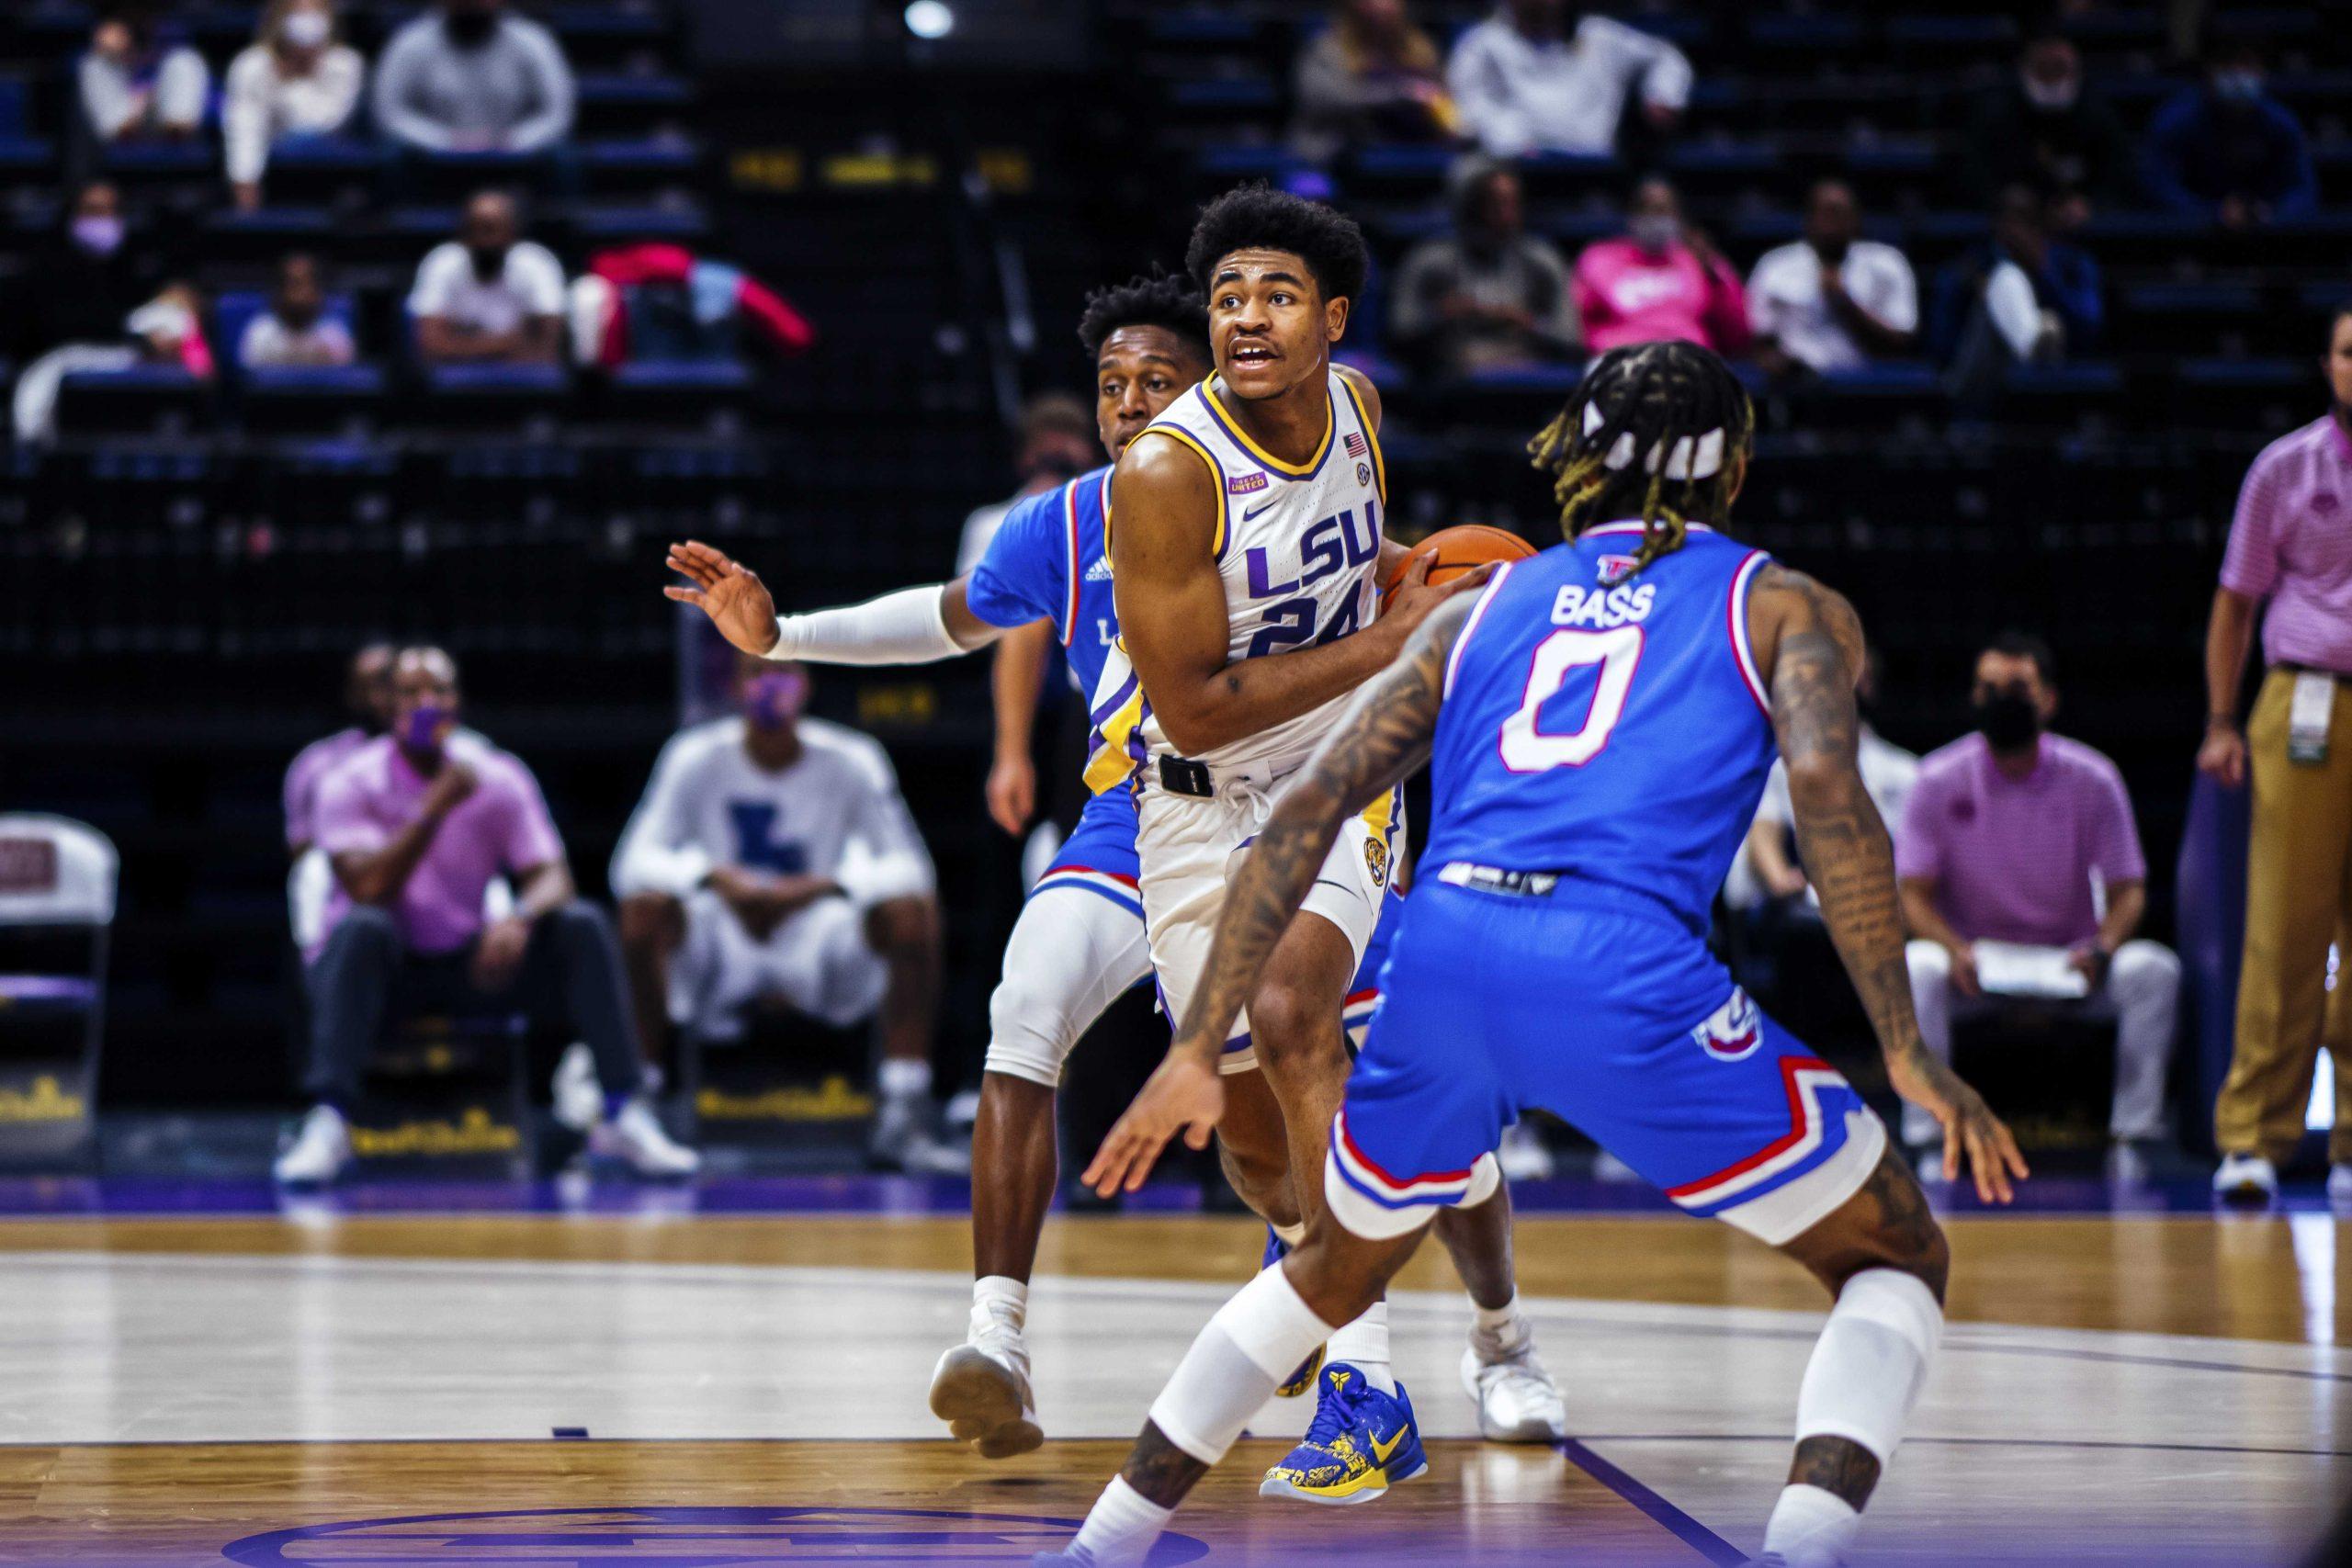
(1242,484)
(1355,445)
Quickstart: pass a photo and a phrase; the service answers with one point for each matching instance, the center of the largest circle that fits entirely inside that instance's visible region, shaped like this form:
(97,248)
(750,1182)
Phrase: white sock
(1121,1526)
(999,1302)
(1812,1527)
(1363,1345)
(904,1078)
(1499,1333)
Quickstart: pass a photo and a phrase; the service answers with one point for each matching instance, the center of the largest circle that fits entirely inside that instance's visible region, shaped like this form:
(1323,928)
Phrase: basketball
(1455,550)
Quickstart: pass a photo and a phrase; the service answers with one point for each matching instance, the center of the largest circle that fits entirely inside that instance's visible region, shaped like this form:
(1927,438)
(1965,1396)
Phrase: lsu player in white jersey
(1079,941)
(1245,542)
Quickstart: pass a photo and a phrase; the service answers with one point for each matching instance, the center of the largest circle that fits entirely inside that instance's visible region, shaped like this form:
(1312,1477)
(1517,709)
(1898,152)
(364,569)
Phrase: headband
(1694,457)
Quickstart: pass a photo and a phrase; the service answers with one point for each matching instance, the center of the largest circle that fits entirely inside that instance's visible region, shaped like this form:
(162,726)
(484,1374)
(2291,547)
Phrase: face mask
(488,260)
(305,29)
(771,702)
(425,727)
(2239,86)
(1656,232)
(2052,95)
(2009,720)
(100,233)
(470,28)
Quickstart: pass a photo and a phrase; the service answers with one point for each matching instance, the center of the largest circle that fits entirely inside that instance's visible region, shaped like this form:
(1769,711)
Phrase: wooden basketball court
(331,1386)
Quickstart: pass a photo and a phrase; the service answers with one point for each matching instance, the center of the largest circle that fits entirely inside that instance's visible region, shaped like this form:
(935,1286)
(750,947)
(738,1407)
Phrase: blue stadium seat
(312,400)
(609,224)
(143,398)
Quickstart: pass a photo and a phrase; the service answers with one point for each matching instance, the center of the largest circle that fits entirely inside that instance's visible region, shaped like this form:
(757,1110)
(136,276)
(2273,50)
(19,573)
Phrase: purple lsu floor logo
(683,1538)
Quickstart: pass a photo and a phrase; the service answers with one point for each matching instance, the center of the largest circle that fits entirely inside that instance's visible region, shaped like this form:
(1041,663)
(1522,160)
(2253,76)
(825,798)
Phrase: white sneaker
(1517,1400)
(2339,1184)
(2246,1178)
(981,1391)
(1523,1155)
(319,1151)
(636,1137)
(579,1099)
(902,1141)
(2127,1166)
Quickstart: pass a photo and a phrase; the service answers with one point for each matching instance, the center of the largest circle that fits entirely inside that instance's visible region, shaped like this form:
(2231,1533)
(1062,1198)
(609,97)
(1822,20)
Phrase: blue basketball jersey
(1609,726)
(1048,562)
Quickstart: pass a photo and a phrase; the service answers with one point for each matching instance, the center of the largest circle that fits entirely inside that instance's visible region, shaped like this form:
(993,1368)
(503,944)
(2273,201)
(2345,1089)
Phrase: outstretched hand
(1186,1094)
(727,591)
(1970,1127)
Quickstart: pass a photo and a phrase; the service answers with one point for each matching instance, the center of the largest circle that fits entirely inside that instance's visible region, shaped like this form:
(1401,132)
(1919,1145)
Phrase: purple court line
(1688,1530)
(1910,1442)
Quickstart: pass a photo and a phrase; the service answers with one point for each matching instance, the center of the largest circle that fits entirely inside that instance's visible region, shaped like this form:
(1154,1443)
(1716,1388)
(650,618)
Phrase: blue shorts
(1100,853)
(1599,1005)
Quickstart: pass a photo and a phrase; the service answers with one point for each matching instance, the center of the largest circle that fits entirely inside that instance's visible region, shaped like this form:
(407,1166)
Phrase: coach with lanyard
(2291,546)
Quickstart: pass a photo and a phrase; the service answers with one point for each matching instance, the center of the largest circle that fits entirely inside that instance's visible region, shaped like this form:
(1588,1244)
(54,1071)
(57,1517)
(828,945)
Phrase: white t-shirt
(269,343)
(529,284)
(1785,302)
(835,812)
(1888,772)
(1518,96)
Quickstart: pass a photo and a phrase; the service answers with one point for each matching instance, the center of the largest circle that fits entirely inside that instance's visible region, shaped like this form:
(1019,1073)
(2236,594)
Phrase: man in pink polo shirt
(2008,836)
(416,825)
(368,696)
(1662,280)
(2290,545)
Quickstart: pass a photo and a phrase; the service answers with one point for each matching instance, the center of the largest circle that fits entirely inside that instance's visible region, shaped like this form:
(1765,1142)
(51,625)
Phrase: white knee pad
(1070,954)
(1871,1361)
(1247,1347)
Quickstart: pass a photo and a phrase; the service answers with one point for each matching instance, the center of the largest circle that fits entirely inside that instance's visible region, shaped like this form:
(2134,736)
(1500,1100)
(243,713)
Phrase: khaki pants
(2298,899)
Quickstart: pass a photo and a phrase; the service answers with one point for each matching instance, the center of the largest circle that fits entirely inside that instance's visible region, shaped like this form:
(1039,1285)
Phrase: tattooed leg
(1883,1257)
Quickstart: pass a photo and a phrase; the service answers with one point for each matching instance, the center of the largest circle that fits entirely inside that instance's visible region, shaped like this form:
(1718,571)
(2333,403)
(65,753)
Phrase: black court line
(1685,1528)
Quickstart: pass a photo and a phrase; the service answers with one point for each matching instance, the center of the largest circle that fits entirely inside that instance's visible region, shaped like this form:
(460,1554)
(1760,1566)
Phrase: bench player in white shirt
(1246,537)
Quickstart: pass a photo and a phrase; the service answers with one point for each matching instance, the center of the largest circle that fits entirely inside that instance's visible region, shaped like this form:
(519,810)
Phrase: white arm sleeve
(905,627)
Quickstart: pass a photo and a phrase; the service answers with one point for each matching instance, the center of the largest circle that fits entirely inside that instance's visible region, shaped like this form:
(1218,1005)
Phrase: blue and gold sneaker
(1360,1444)
(1302,1377)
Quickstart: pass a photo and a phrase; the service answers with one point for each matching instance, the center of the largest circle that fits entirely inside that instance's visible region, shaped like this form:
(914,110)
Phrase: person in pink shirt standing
(416,825)
(1662,280)
(2291,547)
(2012,835)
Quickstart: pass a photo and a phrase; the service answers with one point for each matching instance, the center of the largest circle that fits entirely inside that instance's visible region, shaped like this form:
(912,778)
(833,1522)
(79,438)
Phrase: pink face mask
(774,700)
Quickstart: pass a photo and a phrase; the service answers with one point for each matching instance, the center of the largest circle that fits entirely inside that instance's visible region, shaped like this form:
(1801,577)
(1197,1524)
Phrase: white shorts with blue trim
(1189,848)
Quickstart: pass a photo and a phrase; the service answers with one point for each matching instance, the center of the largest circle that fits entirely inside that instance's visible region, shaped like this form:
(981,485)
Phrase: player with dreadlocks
(1598,722)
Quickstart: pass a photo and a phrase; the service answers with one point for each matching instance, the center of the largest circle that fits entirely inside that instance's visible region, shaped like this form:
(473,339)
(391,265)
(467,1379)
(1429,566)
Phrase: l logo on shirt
(756,844)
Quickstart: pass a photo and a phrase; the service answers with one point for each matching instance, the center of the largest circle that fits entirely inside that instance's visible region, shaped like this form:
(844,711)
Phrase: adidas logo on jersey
(1100,571)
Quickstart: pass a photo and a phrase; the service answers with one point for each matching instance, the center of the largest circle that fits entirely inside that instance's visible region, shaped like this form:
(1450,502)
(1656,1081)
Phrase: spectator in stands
(1490,297)
(1371,75)
(1057,444)
(367,699)
(1535,77)
(416,825)
(489,297)
(2009,840)
(2291,546)
(2022,296)
(1662,280)
(95,300)
(295,80)
(2227,149)
(1833,301)
(141,78)
(771,859)
(2044,130)
(296,330)
(471,75)
(1769,868)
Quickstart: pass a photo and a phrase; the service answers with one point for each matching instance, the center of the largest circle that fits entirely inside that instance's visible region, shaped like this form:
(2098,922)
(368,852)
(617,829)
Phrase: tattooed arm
(1809,644)
(1383,737)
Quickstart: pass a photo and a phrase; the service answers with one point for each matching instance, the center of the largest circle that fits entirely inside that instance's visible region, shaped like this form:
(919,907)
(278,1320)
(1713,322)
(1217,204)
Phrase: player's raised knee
(1291,1024)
